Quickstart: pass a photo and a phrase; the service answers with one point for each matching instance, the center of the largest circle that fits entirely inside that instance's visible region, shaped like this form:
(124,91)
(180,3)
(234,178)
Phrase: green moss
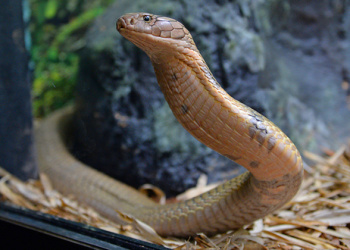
(57,29)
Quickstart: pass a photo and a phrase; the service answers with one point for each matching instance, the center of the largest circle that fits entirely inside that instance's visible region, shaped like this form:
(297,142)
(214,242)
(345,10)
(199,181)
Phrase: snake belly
(208,113)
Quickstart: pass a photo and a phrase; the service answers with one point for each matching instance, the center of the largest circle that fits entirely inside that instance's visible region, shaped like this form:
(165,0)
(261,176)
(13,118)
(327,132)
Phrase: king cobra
(208,113)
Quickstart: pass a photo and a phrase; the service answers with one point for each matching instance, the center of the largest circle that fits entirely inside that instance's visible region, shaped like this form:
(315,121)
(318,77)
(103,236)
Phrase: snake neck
(217,120)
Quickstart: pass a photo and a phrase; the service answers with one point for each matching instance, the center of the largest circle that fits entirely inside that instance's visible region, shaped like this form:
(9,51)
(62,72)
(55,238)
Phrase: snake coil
(208,113)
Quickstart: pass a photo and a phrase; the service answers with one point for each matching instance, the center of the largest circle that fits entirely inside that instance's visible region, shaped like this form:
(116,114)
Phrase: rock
(286,59)
(308,63)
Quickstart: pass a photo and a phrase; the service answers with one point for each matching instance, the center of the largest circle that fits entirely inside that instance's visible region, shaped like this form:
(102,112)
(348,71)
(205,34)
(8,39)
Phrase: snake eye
(146,18)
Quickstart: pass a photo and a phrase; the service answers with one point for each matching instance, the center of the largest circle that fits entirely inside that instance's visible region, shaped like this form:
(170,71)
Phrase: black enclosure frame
(24,227)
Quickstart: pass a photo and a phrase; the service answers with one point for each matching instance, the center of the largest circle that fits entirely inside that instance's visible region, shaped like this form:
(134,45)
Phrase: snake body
(207,112)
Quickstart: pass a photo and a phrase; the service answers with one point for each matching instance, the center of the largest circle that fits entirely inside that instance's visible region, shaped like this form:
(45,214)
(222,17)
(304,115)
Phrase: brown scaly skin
(210,115)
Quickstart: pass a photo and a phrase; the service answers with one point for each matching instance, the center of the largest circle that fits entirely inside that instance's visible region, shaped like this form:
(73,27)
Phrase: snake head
(155,34)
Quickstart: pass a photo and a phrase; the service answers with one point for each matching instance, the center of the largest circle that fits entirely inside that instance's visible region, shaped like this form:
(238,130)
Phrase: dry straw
(317,218)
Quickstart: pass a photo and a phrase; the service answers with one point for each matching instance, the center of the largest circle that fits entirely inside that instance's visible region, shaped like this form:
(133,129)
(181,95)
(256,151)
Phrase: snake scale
(207,112)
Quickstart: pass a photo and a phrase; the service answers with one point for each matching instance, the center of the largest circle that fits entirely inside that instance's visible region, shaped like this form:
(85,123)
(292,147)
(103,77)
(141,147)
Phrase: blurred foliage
(57,29)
